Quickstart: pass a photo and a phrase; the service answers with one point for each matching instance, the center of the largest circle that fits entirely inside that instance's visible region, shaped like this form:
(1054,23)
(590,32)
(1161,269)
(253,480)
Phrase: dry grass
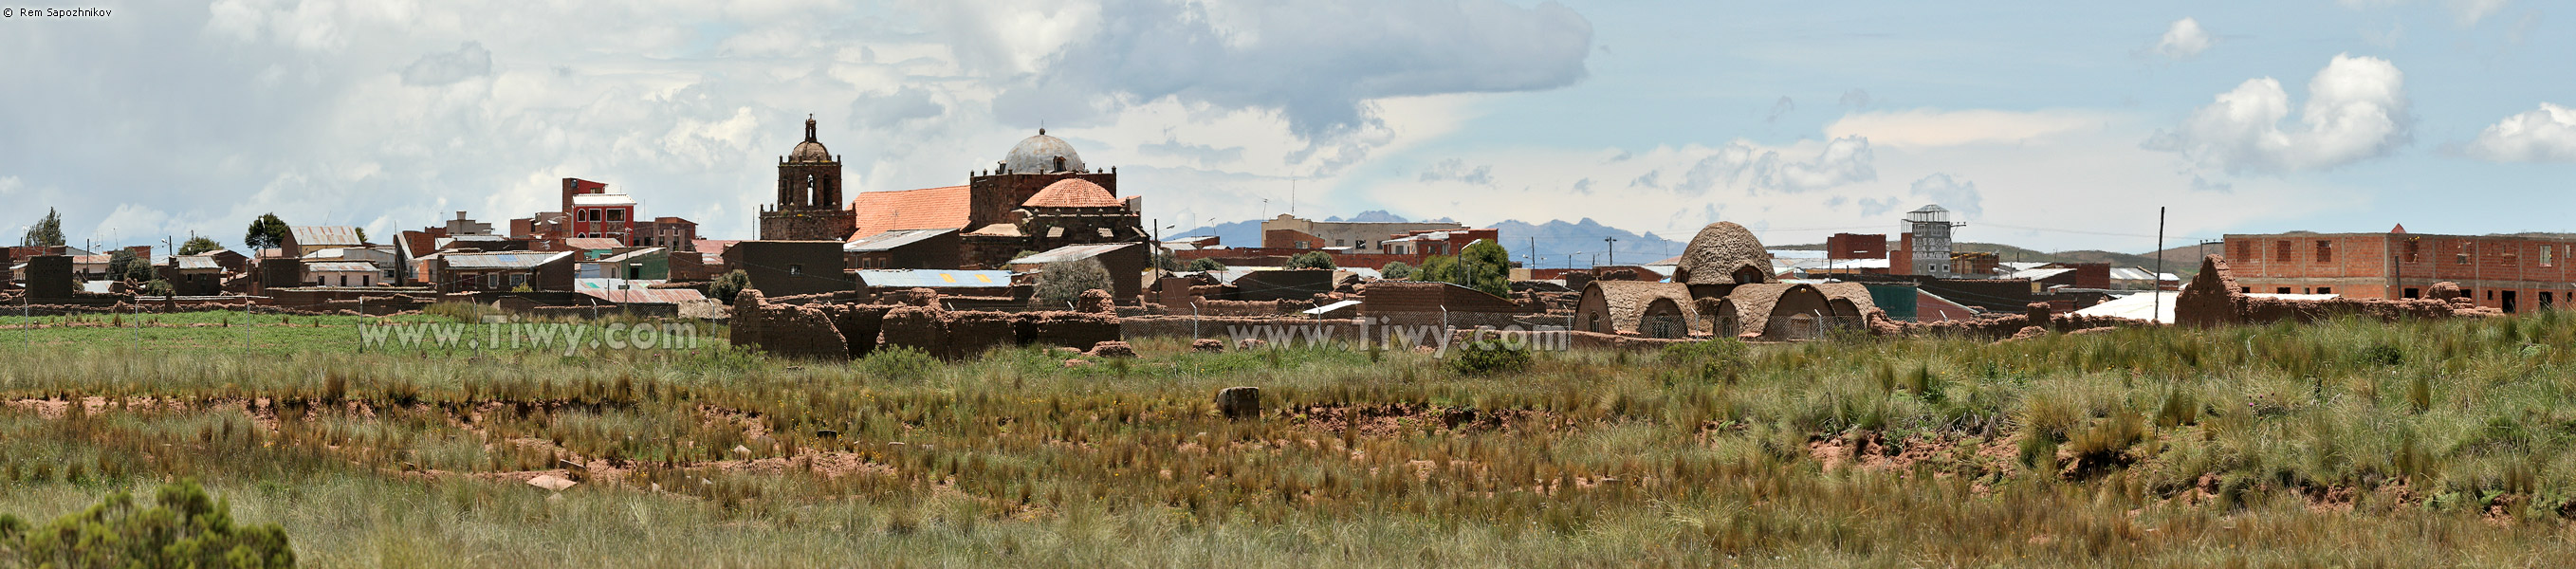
(2440,443)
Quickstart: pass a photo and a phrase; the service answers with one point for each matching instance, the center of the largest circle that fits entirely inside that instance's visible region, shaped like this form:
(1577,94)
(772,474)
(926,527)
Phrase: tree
(47,232)
(731,285)
(196,245)
(1311,260)
(1164,260)
(1487,267)
(1206,264)
(183,527)
(362,234)
(124,265)
(266,232)
(1396,270)
(1438,268)
(159,287)
(1059,283)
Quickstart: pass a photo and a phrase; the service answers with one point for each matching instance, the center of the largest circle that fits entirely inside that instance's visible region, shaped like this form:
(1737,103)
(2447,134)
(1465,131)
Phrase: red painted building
(594,213)
(2513,273)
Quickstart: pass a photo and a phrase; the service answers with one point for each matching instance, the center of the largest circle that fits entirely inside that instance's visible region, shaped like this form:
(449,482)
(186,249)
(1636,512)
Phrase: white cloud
(1456,170)
(2546,134)
(1955,194)
(2356,109)
(1840,161)
(2470,12)
(2183,40)
(1931,127)
(467,62)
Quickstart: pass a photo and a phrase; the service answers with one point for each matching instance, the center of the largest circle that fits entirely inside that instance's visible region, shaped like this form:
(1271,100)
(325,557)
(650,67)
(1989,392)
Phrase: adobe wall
(49,277)
(2213,298)
(785,330)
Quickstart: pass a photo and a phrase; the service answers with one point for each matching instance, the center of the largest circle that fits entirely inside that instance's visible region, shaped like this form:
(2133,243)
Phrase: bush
(1204,265)
(1312,260)
(1396,270)
(185,528)
(1061,283)
(159,287)
(1490,357)
(1722,359)
(899,363)
(731,285)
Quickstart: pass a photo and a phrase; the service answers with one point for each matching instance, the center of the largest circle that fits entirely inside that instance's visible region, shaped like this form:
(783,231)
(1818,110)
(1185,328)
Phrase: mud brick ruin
(2214,299)
(854,330)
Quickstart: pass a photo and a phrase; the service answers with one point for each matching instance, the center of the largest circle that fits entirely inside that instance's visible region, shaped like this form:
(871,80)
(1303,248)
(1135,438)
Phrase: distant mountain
(1555,240)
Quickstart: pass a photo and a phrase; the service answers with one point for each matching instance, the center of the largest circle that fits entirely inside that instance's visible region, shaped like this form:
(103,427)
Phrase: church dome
(1722,251)
(1073,192)
(1038,154)
(810,150)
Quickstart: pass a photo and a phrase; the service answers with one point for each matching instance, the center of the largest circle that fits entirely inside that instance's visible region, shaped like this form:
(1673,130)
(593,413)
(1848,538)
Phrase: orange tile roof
(1073,192)
(930,208)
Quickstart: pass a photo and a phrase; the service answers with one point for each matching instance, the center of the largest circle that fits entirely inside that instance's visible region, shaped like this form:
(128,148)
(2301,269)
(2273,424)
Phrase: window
(1340,242)
(2281,251)
(344,280)
(517,279)
(2282,290)
(617,215)
(2245,289)
(2325,290)
(2411,292)
(2412,247)
(2325,251)
(795,270)
(2244,251)
(2465,250)
(2548,255)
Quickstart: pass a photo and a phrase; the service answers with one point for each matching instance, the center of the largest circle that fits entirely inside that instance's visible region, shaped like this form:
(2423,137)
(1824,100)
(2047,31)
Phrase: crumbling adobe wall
(1330,329)
(2213,299)
(785,330)
(1066,329)
(922,328)
(1996,326)
(859,325)
(958,334)
(971,333)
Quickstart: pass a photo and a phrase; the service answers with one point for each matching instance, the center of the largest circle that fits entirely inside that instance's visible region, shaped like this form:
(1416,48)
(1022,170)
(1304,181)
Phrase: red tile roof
(1073,192)
(930,208)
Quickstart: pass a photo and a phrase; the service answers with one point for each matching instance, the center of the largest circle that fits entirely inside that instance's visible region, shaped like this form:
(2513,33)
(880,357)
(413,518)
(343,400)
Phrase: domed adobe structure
(1042,154)
(810,150)
(1073,192)
(1725,253)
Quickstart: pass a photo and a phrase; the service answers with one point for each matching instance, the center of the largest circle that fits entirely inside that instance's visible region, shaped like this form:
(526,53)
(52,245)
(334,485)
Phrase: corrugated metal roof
(934,278)
(594,243)
(508,260)
(602,199)
(2037,274)
(889,240)
(646,295)
(194,262)
(1070,253)
(340,267)
(2138,274)
(633,255)
(309,236)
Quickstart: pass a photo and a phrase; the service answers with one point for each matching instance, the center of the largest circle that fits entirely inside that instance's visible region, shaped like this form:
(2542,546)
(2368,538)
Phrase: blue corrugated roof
(934,278)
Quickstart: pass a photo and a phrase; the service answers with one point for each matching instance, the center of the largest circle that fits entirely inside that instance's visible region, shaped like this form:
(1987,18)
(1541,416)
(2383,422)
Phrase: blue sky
(2052,125)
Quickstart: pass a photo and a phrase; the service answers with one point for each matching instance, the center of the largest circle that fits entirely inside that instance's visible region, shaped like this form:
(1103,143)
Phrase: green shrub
(1490,357)
(1720,360)
(2384,355)
(731,285)
(1060,283)
(184,528)
(900,363)
(1313,260)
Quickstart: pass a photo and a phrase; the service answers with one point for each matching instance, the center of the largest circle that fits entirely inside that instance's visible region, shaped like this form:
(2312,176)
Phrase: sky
(2050,125)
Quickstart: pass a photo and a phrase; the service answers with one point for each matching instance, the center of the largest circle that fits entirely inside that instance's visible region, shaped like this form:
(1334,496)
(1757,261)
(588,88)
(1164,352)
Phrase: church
(1040,196)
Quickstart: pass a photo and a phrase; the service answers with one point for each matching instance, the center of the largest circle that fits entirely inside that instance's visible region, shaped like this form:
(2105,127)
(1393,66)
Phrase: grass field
(2348,444)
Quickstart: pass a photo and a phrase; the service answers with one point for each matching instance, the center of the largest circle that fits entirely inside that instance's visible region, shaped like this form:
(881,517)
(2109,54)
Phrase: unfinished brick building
(2216,298)
(2505,272)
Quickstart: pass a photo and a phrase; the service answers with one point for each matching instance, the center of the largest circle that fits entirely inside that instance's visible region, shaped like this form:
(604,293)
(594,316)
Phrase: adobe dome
(1037,155)
(1720,251)
(1073,192)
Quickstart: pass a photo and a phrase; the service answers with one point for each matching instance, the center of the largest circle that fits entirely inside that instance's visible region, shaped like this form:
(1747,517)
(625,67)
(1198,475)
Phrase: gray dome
(1037,155)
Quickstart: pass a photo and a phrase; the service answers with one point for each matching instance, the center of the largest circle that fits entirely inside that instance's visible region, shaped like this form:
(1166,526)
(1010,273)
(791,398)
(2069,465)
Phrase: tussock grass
(2354,443)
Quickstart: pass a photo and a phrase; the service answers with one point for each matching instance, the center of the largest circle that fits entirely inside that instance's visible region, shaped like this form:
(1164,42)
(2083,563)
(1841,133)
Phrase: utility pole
(1612,244)
(2158,280)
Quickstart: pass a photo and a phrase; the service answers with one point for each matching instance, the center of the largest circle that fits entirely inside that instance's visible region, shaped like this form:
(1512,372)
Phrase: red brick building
(1856,246)
(2513,273)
